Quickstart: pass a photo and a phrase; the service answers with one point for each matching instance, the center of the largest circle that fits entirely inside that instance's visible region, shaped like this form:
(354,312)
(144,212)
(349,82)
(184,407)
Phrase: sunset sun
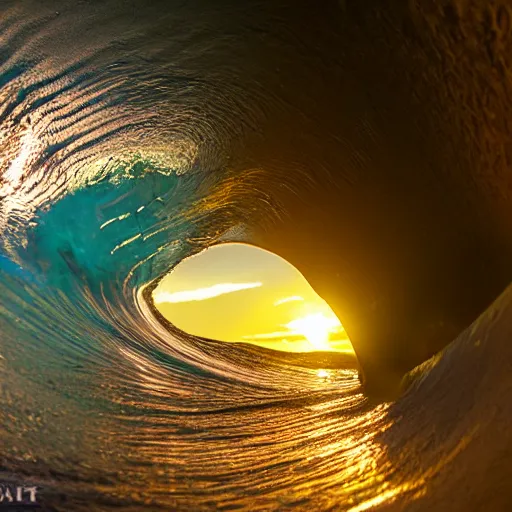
(316,328)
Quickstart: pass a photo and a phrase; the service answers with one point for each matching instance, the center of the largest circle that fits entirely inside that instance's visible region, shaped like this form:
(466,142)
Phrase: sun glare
(316,328)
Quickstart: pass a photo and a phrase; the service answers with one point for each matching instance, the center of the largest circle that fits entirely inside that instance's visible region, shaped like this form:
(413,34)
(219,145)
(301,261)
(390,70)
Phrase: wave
(114,169)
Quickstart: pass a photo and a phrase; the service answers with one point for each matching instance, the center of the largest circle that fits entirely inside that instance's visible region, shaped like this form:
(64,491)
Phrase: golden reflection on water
(319,446)
(264,451)
(257,434)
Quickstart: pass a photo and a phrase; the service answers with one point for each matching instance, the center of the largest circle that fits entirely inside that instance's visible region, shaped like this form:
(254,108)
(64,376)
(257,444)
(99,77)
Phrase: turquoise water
(105,404)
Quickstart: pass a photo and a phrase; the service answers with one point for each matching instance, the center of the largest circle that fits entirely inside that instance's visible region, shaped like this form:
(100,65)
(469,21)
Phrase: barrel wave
(122,136)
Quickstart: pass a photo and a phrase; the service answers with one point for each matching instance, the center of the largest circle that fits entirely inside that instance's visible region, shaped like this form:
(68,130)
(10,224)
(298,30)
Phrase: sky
(239,293)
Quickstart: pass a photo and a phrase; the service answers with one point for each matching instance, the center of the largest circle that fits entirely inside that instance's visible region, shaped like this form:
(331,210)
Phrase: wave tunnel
(365,143)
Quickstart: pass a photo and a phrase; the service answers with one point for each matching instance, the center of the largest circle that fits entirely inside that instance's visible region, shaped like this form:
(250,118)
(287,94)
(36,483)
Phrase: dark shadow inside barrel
(387,149)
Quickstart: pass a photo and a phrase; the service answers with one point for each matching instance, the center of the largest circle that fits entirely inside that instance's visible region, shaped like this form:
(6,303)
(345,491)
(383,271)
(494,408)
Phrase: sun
(316,328)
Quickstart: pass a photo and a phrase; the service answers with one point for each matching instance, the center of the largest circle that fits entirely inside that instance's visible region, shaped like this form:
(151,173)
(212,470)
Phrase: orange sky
(236,292)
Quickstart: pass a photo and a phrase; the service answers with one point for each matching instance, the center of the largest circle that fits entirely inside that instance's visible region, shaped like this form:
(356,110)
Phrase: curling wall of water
(114,166)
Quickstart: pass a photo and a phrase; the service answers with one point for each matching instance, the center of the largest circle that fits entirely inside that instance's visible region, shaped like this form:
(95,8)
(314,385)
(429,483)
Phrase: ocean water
(106,182)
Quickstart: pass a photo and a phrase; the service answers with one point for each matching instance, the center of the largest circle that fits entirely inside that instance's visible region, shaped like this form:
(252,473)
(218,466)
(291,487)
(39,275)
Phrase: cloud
(203,293)
(288,299)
